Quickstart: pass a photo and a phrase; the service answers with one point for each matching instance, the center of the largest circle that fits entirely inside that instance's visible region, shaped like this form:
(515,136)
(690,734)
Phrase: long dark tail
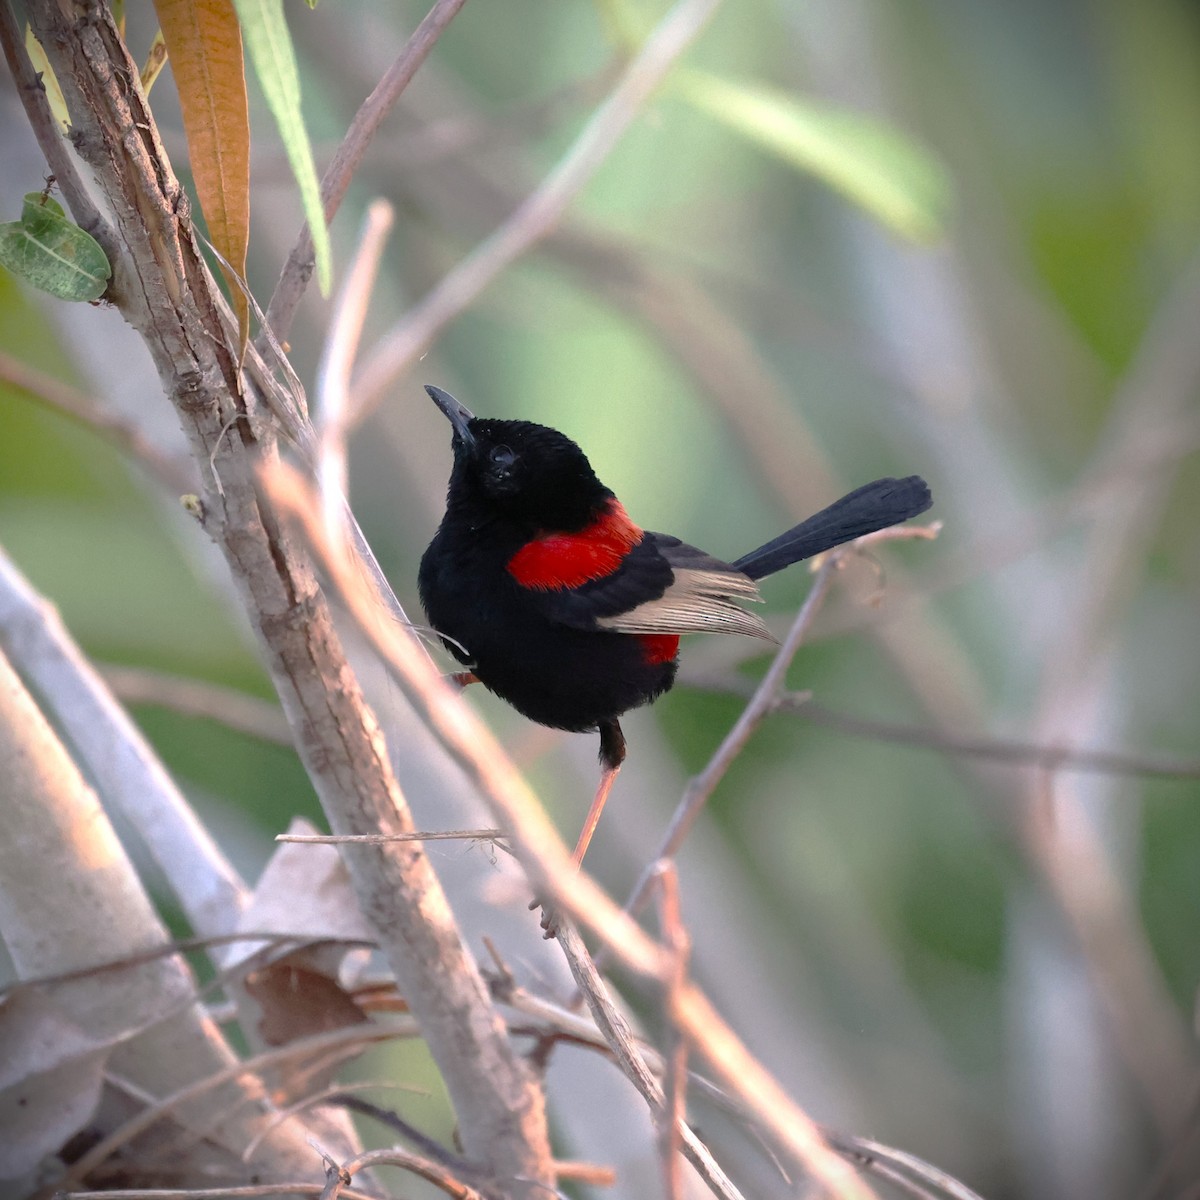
(864,510)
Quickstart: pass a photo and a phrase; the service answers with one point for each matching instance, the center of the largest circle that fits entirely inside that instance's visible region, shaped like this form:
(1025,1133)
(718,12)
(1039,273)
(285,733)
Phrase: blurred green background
(990,965)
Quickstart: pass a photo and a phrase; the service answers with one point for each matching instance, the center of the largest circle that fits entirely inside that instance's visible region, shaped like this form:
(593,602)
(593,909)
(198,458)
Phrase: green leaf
(270,47)
(48,251)
(898,182)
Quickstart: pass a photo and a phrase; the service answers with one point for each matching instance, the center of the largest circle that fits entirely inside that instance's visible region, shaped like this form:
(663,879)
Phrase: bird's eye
(502,456)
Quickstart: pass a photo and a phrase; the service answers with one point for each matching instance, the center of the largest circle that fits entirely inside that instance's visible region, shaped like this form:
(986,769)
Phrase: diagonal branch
(336,180)
(540,212)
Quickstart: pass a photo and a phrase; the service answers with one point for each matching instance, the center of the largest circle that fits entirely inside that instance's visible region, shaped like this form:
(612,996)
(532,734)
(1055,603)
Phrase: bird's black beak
(459,415)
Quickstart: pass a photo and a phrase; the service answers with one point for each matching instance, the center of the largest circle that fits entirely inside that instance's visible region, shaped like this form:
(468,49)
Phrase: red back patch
(565,560)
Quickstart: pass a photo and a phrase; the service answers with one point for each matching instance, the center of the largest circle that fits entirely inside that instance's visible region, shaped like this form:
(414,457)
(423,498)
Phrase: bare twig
(174,474)
(298,269)
(124,765)
(541,210)
(613,1028)
(674,1111)
(440,835)
(46,130)
(701,786)
(337,362)
(1015,751)
(340,1174)
(239,711)
(249,1192)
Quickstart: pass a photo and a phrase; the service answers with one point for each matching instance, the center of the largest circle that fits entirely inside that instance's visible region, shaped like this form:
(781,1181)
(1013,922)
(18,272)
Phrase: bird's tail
(864,510)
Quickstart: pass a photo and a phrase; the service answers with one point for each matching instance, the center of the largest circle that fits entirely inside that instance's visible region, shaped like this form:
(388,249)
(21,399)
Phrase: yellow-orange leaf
(204,42)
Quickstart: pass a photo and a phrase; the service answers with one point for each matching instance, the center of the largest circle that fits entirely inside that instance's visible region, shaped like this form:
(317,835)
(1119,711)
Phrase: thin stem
(46,130)
(540,212)
(299,266)
(70,402)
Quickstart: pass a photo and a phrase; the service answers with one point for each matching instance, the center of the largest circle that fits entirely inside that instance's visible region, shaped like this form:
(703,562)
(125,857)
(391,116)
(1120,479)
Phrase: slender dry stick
(163,288)
(46,129)
(701,786)
(615,1032)
(1019,753)
(761,704)
(340,1175)
(440,835)
(237,710)
(153,1113)
(249,1192)
(122,763)
(540,212)
(996,749)
(299,266)
(542,852)
(337,361)
(551,1018)
(674,1112)
(70,402)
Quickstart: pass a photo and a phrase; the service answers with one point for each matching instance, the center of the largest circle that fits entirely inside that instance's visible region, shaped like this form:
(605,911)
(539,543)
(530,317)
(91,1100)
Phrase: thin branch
(761,704)
(1015,751)
(299,266)
(337,361)
(79,407)
(249,1192)
(496,836)
(615,1032)
(124,766)
(340,1174)
(46,129)
(540,212)
(152,1114)
(674,1111)
(237,710)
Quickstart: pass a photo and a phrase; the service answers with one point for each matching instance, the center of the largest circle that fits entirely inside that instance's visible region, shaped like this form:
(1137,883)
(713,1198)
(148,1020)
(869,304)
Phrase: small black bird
(561,605)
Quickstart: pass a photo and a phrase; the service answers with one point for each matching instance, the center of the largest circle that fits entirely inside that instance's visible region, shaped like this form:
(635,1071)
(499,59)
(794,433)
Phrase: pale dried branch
(337,362)
(249,1192)
(495,836)
(250,1067)
(674,1110)
(46,130)
(128,772)
(79,407)
(334,183)
(702,786)
(541,210)
(339,1175)
(237,710)
(616,1034)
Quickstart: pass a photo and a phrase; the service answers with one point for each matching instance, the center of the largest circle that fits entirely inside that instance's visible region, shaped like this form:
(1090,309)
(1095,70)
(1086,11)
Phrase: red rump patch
(566,560)
(659,647)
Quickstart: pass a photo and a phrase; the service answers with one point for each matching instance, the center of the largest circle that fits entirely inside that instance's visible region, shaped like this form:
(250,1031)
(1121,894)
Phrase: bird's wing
(660,585)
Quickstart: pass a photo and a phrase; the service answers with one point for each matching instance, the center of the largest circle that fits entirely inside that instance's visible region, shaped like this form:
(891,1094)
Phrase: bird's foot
(549,920)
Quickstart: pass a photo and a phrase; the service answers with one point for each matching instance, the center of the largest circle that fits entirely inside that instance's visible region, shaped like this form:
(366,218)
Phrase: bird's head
(518,470)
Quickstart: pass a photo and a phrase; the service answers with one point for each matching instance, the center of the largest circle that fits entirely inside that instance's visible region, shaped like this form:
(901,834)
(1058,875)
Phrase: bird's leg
(463,678)
(612,755)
